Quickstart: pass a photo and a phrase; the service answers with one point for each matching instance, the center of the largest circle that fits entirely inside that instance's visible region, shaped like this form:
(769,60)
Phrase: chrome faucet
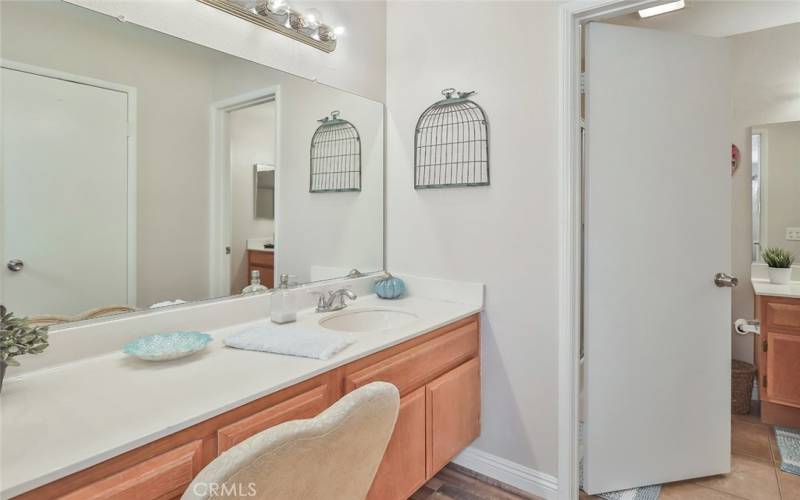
(334,300)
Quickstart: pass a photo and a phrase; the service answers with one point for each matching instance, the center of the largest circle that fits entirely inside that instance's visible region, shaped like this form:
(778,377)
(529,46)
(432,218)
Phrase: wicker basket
(741,386)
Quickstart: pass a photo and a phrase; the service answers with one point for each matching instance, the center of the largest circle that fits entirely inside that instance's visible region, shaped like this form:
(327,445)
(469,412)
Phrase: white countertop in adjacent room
(261,244)
(764,287)
(59,420)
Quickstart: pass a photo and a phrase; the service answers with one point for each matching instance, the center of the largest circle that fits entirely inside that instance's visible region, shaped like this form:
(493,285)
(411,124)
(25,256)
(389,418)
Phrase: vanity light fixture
(278,16)
(662,9)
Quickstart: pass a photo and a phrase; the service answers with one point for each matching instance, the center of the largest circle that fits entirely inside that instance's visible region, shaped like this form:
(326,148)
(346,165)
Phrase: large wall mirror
(141,170)
(775,161)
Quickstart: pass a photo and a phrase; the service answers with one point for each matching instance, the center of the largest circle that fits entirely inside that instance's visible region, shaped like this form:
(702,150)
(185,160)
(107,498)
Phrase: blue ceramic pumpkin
(390,287)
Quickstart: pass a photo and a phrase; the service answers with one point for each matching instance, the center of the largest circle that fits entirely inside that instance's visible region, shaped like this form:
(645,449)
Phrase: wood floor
(755,473)
(452,484)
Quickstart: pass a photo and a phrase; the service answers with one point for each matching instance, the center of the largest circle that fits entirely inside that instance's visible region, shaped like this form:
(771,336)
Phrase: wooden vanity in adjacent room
(778,359)
(437,373)
(262,261)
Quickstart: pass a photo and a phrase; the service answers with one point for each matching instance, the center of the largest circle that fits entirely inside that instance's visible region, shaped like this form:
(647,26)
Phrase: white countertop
(764,287)
(268,250)
(57,421)
(258,244)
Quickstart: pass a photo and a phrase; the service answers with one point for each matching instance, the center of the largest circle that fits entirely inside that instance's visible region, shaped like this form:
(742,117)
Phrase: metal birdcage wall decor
(335,156)
(451,144)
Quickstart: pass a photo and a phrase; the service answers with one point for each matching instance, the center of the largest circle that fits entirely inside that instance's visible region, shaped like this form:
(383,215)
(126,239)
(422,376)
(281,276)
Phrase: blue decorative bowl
(166,346)
(390,287)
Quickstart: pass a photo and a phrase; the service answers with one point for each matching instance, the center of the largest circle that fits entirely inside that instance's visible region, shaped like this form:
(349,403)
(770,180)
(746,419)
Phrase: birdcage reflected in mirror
(451,144)
(335,156)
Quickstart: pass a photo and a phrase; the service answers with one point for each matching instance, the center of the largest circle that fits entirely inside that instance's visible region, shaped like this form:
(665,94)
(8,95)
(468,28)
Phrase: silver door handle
(15,265)
(723,280)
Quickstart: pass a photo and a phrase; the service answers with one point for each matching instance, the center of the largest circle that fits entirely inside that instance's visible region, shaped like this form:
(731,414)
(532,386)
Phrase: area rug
(789,445)
(643,493)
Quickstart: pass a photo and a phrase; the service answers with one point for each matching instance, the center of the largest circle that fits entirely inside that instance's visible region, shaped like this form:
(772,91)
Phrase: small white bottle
(255,285)
(284,303)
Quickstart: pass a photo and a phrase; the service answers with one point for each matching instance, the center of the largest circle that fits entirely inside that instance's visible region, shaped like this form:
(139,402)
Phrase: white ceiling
(720,18)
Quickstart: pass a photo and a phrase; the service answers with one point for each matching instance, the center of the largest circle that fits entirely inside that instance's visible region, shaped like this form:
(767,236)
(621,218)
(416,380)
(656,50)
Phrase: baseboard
(508,472)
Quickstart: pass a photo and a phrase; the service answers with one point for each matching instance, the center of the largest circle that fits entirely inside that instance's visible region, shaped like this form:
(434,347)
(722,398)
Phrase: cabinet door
(267,275)
(304,405)
(402,471)
(783,368)
(163,476)
(454,413)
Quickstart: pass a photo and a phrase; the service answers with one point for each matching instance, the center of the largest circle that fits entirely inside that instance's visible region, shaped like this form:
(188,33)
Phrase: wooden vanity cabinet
(305,405)
(438,375)
(778,360)
(264,263)
(454,413)
(403,469)
(439,378)
(163,476)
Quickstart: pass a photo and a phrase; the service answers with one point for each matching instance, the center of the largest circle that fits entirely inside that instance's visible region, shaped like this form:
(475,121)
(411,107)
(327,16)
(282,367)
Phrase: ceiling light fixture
(662,9)
(278,16)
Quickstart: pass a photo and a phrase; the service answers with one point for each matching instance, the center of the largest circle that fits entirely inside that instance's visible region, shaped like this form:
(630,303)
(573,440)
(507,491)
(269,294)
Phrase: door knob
(15,265)
(723,280)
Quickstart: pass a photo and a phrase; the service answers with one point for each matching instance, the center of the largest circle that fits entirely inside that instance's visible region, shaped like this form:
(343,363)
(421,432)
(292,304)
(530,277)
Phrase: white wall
(343,230)
(252,140)
(766,89)
(358,64)
(504,235)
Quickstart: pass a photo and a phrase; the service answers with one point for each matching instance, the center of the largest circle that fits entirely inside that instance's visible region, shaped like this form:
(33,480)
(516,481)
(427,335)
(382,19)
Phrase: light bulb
(313,18)
(276,5)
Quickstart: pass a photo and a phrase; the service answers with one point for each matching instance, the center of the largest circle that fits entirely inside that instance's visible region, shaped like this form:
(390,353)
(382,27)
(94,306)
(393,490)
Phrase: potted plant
(780,262)
(17,337)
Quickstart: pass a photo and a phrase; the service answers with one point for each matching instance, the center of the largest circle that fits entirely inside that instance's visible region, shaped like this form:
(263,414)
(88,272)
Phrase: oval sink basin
(367,320)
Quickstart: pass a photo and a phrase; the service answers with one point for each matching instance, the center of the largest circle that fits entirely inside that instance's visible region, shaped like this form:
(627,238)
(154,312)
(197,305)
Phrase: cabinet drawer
(305,405)
(162,476)
(453,404)
(402,471)
(783,314)
(413,368)
(263,259)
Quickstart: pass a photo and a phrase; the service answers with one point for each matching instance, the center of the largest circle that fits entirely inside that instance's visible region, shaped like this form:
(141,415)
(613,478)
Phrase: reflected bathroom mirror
(140,170)
(775,163)
(264,184)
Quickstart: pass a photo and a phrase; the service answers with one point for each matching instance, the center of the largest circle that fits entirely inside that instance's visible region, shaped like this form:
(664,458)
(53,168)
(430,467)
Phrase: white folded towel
(292,340)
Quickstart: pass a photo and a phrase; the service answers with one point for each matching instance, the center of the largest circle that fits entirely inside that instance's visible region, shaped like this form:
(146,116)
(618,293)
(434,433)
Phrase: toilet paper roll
(745,327)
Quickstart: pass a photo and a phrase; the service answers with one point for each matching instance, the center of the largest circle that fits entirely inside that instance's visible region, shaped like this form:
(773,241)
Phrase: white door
(657,338)
(65,195)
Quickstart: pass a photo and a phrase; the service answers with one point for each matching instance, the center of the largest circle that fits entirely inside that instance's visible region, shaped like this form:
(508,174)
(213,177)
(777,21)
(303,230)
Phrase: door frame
(570,232)
(763,200)
(220,196)
(131,159)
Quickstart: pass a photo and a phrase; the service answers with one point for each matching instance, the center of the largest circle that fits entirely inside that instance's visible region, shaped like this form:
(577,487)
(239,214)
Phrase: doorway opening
(244,175)
(738,27)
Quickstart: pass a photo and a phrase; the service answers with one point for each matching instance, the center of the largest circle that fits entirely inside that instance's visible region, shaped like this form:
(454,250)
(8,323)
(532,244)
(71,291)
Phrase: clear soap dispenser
(255,285)
(284,302)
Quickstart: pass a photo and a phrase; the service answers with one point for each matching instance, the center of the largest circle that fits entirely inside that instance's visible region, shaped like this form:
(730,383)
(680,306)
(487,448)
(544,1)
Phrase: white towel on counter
(292,340)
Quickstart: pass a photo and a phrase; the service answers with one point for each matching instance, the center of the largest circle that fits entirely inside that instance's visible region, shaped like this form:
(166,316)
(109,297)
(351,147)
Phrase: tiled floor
(452,484)
(754,470)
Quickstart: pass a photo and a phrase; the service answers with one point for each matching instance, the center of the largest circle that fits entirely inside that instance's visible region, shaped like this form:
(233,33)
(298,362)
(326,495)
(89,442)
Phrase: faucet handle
(321,300)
